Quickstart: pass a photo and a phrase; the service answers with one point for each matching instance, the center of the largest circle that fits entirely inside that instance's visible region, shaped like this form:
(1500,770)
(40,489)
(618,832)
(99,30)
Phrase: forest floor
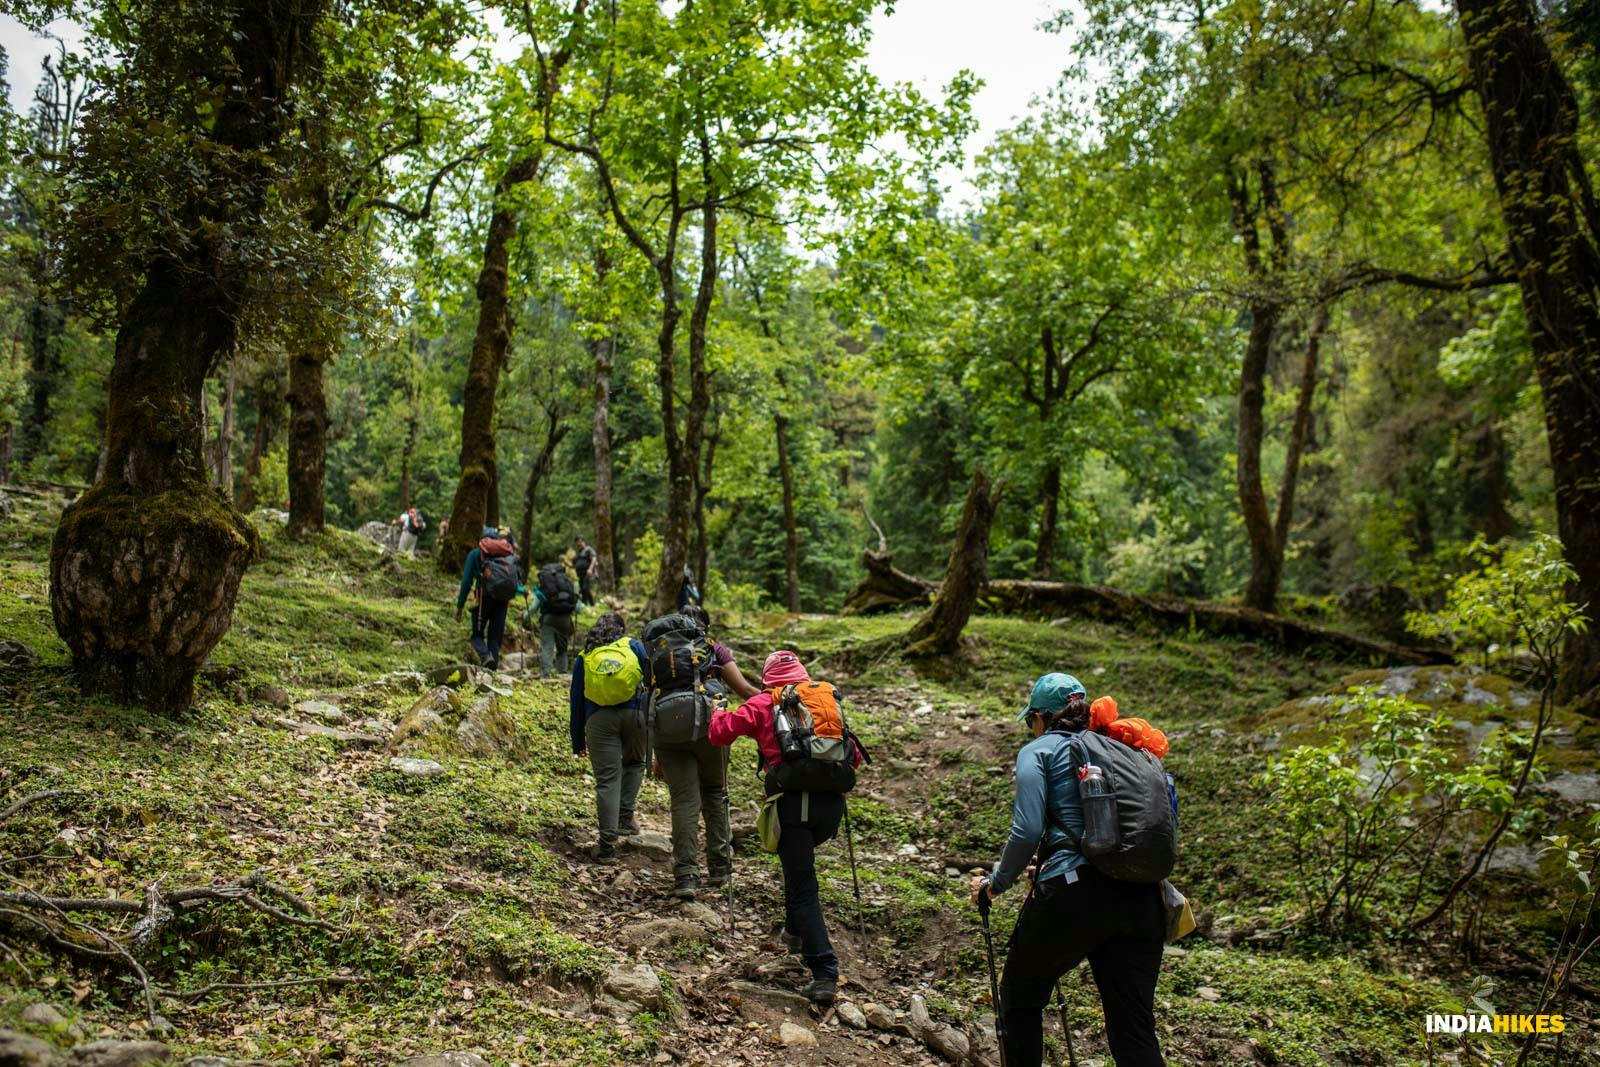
(469,920)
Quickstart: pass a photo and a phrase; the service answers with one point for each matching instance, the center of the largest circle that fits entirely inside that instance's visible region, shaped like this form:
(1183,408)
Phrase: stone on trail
(42,1014)
(342,738)
(853,1016)
(1207,994)
(704,914)
(648,841)
(423,719)
(20,1050)
(782,999)
(514,662)
(793,1036)
(486,729)
(660,933)
(329,713)
(113,1053)
(634,983)
(16,654)
(380,533)
(416,768)
(275,696)
(879,1018)
(1580,787)
(446,1059)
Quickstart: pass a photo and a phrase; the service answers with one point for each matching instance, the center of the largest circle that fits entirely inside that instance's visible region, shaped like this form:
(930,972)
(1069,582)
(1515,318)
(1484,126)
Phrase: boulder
(455,676)
(20,1050)
(271,515)
(660,933)
(44,1015)
(110,1052)
(275,696)
(424,720)
(416,768)
(322,711)
(792,1036)
(648,841)
(486,729)
(852,1016)
(633,983)
(380,533)
(16,654)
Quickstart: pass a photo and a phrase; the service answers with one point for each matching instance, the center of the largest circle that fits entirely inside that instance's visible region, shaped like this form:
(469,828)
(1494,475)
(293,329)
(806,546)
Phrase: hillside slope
(461,914)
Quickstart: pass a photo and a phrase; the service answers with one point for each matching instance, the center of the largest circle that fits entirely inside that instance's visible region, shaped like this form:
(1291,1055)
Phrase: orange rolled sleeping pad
(1135,733)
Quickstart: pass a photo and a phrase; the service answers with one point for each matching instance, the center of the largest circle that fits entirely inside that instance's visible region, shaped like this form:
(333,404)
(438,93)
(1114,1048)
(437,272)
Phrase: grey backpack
(1130,827)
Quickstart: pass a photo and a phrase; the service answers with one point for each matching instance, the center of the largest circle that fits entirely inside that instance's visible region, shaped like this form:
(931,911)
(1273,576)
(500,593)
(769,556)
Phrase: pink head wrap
(783,668)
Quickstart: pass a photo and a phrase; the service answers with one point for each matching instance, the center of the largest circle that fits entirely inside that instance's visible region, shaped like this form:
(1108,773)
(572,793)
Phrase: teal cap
(1051,693)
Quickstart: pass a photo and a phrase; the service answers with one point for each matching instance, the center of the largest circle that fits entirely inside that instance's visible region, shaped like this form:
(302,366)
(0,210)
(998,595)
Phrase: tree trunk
(791,537)
(555,432)
(413,417)
(702,493)
(1266,562)
(1547,200)
(1299,434)
(7,436)
(1044,557)
(605,550)
(476,500)
(1494,487)
(938,631)
(145,566)
(269,404)
(46,321)
(224,450)
(308,440)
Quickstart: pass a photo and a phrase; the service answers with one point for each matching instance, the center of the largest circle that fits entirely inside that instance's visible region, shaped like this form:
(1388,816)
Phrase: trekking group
(1094,829)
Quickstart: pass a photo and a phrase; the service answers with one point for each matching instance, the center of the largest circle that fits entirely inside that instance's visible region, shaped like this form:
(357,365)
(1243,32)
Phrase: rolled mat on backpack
(1133,732)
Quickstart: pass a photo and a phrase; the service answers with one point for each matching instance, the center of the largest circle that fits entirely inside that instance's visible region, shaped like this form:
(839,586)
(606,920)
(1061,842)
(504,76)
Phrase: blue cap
(1051,693)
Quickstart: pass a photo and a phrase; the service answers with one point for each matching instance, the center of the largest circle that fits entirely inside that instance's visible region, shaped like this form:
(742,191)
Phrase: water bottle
(1101,833)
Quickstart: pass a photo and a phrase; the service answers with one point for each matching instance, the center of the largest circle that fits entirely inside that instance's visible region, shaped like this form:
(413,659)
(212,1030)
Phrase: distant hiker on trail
(1073,910)
(727,670)
(687,593)
(554,601)
(411,527)
(809,759)
(606,723)
(684,686)
(586,562)
(493,575)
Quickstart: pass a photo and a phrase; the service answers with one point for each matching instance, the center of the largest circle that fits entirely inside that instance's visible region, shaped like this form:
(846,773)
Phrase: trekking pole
(1066,1028)
(727,816)
(984,904)
(850,846)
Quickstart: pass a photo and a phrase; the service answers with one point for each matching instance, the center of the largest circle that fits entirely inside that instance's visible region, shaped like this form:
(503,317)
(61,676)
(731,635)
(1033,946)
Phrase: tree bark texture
(791,537)
(702,493)
(223,454)
(1299,433)
(145,566)
(308,441)
(938,631)
(1044,557)
(605,548)
(1547,200)
(46,321)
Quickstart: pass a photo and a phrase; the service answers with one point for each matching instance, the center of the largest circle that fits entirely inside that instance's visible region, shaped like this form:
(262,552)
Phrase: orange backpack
(816,751)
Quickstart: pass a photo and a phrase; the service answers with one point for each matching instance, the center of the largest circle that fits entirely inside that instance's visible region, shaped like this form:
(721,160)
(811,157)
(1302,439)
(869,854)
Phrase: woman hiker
(607,724)
(1074,912)
(806,820)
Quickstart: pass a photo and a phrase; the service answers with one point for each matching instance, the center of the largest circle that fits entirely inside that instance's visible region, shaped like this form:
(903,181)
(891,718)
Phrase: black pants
(586,589)
(1120,928)
(797,849)
(493,613)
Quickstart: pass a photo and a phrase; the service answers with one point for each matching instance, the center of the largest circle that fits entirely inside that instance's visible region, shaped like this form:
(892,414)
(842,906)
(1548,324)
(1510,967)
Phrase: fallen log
(1021,597)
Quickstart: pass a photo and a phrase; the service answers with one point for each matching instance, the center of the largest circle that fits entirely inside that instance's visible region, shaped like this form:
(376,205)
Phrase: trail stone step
(342,738)
(793,1036)
(782,999)
(323,711)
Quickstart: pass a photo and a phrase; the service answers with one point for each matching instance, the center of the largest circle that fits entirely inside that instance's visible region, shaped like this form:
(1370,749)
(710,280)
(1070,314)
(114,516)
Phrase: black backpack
(1130,826)
(559,596)
(501,577)
(679,653)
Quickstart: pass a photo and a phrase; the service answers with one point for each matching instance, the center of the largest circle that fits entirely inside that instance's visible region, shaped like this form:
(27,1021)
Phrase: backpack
(681,716)
(559,596)
(611,673)
(1130,829)
(817,750)
(500,576)
(679,652)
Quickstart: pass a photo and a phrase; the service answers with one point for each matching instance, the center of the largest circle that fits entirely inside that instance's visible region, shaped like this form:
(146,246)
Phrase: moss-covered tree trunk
(1546,197)
(308,441)
(476,493)
(145,566)
(791,537)
(605,549)
(938,631)
(1044,556)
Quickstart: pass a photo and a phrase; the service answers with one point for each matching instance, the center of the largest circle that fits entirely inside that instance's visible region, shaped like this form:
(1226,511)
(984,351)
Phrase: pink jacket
(752,719)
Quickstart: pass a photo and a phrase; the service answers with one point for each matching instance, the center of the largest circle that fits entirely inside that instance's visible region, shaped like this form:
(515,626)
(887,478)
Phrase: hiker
(809,801)
(687,593)
(411,527)
(554,601)
(606,724)
(586,562)
(1073,910)
(727,670)
(492,574)
(684,686)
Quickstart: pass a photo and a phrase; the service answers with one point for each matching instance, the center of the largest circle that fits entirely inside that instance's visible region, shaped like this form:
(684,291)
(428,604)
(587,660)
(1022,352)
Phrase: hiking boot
(686,887)
(629,828)
(791,943)
(820,990)
(605,853)
(719,875)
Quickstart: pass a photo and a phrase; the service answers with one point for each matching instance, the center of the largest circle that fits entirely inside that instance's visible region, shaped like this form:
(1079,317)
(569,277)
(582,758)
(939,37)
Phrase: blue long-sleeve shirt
(1046,801)
(581,707)
(469,576)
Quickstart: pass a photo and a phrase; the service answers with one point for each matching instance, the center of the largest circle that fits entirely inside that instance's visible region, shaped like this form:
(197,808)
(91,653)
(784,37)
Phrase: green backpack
(611,673)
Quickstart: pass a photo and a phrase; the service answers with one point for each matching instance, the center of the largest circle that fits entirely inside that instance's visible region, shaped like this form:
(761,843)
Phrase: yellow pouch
(767,826)
(1180,916)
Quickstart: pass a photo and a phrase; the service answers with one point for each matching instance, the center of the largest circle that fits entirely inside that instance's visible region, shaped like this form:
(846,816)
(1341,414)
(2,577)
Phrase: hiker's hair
(700,615)
(606,629)
(1075,716)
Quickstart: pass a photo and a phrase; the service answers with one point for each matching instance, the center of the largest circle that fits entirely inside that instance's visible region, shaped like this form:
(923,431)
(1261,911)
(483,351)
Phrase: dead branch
(34,798)
(216,987)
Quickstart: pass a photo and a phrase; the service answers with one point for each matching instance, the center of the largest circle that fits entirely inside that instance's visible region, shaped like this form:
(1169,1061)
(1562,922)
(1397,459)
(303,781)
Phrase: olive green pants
(697,778)
(615,740)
